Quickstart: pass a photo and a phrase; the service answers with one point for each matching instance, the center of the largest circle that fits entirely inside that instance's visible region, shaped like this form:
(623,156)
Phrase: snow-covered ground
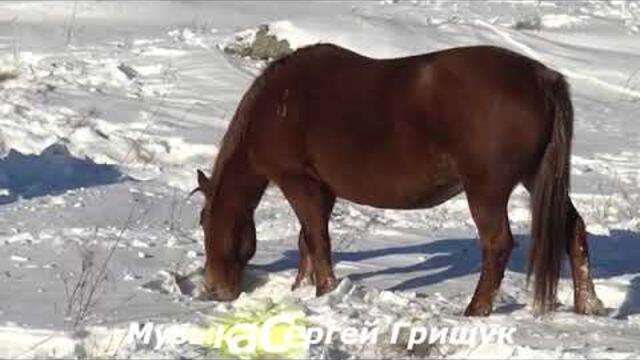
(116,104)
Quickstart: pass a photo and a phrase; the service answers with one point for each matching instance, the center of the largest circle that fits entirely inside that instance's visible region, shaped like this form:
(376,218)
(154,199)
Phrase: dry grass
(80,293)
(265,46)
(6,75)
(533,22)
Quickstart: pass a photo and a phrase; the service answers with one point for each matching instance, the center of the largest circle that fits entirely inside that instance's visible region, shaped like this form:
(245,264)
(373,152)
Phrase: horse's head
(230,241)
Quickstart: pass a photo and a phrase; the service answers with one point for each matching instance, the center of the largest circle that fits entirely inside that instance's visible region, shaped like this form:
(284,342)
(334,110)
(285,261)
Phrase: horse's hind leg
(490,216)
(305,264)
(313,203)
(584,294)
(585,299)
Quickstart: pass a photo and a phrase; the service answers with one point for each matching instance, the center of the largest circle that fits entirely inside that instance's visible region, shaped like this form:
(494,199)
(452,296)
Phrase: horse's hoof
(475,309)
(302,280)
(296,284)
(590,305)
(327,286)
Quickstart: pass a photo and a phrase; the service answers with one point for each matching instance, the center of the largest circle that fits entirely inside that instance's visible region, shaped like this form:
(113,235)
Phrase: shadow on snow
(53,171)
(613,255)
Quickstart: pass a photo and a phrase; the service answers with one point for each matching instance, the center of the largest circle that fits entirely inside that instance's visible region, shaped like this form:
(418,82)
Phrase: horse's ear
(203,180)
(203,184)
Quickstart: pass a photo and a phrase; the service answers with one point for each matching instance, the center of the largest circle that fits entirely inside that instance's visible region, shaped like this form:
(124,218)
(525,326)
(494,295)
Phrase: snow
(116,104)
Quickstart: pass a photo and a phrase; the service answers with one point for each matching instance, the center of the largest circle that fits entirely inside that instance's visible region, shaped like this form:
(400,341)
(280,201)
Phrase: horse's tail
(550,195)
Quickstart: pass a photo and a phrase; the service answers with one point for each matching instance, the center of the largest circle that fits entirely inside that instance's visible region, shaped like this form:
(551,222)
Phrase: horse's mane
(240,122)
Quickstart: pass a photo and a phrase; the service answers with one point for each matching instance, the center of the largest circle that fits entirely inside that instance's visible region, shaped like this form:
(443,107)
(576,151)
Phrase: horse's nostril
(220,294)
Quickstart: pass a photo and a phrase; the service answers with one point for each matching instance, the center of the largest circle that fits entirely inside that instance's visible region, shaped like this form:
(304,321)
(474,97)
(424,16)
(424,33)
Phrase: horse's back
(397,133)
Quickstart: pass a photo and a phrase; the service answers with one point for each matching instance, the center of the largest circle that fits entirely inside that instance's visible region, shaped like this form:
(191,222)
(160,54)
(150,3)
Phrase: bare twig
(70,25)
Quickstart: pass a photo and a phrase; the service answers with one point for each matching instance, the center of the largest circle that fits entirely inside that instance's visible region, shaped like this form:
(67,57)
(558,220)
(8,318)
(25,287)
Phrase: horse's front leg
(305,264)
(313,203)
(497,244)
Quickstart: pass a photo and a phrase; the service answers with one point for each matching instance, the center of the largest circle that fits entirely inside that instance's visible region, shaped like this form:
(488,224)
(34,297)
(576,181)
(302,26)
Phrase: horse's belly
(394,184)
(390,198)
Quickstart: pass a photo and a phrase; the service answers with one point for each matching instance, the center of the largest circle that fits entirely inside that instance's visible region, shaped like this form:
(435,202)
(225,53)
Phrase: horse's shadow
(612,255)
(53,171)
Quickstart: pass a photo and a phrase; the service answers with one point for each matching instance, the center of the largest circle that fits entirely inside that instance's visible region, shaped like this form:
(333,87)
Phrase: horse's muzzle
(219,293)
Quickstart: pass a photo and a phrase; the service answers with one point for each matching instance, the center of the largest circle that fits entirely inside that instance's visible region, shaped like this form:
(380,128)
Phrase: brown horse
(404,133)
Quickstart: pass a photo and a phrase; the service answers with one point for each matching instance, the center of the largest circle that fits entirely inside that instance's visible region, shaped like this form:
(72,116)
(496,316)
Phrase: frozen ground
(116,104)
